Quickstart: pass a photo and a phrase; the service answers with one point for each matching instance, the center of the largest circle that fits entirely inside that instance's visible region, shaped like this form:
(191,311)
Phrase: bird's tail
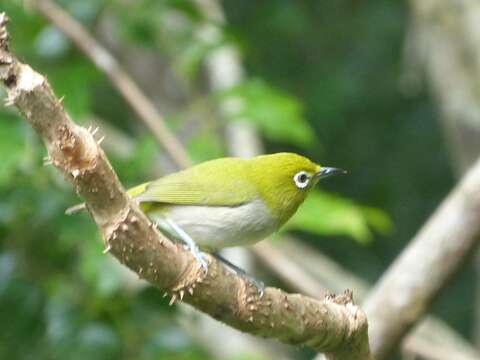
(75,209)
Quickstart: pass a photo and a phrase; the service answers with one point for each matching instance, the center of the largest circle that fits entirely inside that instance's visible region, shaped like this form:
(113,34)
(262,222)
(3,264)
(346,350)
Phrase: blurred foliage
(172,26)
(322,80)
(277,115)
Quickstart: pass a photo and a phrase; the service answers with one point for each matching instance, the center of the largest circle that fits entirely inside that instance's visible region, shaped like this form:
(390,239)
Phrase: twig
(128,89)
(334,325)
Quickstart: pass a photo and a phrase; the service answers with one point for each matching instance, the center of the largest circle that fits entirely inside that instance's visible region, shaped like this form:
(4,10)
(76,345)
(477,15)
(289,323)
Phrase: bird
(229,201)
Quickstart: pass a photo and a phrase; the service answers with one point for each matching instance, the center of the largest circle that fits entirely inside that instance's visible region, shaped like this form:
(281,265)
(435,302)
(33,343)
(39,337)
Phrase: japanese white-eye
(230,201)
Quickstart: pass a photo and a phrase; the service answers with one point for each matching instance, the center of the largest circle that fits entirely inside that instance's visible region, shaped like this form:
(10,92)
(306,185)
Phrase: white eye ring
(301,179)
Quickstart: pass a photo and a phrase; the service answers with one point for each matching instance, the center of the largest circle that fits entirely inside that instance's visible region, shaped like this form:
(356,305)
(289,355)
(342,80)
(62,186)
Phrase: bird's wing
(215,184)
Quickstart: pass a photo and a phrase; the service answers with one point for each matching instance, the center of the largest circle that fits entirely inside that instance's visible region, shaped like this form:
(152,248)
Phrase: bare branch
(334,325)
(443,48)
(437,252)
(431,336)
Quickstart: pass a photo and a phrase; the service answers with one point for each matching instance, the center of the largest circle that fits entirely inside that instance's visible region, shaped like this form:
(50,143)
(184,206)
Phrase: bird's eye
(301,179)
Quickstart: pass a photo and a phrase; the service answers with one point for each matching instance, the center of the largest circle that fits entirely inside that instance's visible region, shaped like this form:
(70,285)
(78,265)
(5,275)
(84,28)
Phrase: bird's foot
(242,273)
(190,243)
(257,283)
(200,257)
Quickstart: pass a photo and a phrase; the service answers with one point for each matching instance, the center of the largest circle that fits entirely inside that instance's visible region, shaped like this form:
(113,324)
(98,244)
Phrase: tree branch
(443,47)
(431,336)
(334,325)
(437,252)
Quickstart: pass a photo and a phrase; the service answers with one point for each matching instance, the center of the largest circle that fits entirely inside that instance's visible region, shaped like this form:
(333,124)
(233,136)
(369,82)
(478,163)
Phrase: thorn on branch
(75,173)
(9,101)
(107,248)
(47,160)
(93,132)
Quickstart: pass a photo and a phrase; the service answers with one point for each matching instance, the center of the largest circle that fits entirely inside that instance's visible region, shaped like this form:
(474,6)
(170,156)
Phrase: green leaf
(328,214)
(278,115)
(378,220)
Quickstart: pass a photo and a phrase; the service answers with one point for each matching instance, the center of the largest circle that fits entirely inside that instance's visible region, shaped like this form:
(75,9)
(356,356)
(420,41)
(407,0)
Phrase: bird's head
(285,179)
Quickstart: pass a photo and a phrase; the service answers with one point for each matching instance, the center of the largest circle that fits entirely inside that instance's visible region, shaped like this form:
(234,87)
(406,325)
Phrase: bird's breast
(217,227)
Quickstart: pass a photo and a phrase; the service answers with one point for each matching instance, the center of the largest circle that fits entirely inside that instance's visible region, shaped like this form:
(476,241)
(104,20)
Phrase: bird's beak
(329,171)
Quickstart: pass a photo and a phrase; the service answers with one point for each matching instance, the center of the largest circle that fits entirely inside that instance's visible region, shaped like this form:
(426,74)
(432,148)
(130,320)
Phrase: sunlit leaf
(278,115)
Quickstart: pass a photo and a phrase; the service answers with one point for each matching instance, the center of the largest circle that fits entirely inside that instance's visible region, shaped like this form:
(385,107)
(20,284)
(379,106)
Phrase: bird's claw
(190,243)
(200,257)
(203,263)
(242,273)
(260,287)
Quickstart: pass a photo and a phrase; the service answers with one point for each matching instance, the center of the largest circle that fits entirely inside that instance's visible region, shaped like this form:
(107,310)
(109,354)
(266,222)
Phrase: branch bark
(334,326)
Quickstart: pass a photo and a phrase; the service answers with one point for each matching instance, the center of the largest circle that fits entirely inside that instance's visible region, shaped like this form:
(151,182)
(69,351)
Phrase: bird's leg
(240,272)
(182,235)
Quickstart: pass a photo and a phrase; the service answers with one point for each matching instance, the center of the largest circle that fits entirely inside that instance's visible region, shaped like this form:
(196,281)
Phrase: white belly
(216,227)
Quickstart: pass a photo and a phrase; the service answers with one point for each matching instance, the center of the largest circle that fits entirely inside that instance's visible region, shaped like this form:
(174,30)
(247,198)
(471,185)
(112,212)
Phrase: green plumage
(233,182)
(221,182)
